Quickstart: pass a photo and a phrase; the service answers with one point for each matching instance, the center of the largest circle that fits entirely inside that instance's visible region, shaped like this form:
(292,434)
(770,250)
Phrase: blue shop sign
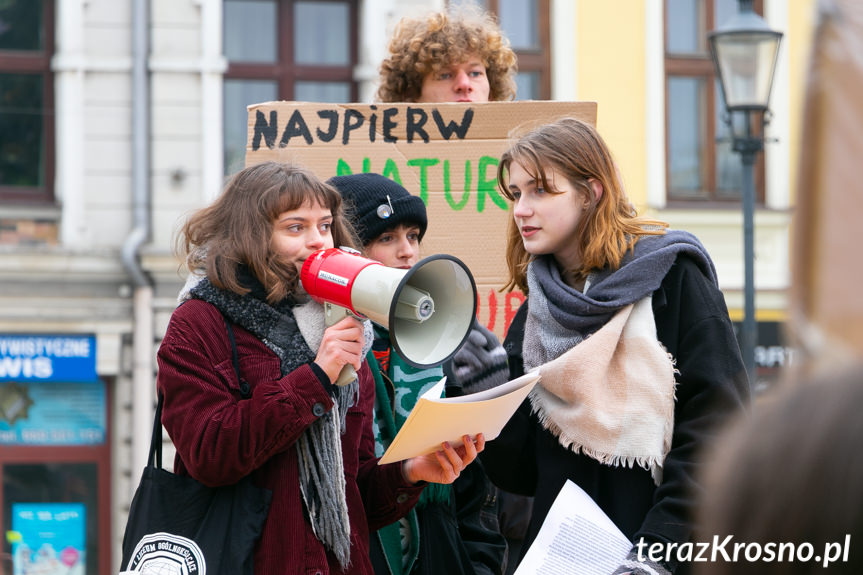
(31,358)
(52,413)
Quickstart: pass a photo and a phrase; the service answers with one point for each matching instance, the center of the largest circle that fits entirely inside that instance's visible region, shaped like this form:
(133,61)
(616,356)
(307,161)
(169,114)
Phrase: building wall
(610,70)
(75,281)
(619,65)
(798,39)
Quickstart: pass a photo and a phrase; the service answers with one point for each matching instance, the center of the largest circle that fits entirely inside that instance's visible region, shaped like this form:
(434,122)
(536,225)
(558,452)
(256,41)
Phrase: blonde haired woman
(625,322)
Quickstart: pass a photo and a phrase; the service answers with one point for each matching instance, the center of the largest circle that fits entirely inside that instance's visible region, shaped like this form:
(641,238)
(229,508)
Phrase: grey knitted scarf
(602,367)
(319,451)
(560,316)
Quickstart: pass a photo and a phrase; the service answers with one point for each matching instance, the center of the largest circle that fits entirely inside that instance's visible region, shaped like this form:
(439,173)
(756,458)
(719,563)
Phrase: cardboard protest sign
(446,153)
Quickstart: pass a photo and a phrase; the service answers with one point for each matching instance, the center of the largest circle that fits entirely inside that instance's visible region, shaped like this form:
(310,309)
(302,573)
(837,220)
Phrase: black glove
(632,565)
(479,364)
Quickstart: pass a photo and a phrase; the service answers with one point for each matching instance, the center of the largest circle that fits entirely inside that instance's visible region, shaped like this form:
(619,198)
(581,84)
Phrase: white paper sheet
(576,538)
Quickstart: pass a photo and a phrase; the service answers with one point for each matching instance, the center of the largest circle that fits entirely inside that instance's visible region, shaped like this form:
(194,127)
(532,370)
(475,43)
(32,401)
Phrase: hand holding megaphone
(341,350)
(427,309)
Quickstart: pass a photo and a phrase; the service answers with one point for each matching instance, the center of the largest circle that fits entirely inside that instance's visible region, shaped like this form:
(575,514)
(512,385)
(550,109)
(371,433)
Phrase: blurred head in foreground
(787,483)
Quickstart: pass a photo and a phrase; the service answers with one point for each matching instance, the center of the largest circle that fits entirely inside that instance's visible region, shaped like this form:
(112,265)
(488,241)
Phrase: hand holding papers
(576,537)
(436,419)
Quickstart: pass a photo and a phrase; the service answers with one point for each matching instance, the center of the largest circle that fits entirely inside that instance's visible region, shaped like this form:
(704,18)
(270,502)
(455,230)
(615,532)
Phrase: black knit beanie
(375,204)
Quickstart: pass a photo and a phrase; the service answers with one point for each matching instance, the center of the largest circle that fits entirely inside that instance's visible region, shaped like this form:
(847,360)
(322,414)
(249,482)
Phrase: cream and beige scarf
(607,387)
(612,395)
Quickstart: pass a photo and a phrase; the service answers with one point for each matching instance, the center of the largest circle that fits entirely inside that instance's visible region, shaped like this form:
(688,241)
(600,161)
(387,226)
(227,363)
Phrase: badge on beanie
(386,210)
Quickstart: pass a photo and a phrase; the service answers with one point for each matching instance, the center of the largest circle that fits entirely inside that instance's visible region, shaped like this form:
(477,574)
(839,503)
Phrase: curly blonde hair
(421,46)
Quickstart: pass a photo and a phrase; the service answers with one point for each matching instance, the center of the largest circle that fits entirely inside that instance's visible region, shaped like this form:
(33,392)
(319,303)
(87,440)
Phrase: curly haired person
(456,56)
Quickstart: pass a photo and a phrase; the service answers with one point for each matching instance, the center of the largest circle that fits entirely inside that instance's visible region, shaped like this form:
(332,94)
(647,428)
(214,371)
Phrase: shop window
(50,518)
(55,474)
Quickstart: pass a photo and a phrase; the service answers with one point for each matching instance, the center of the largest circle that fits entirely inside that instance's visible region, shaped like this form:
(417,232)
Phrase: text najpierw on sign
(447,154)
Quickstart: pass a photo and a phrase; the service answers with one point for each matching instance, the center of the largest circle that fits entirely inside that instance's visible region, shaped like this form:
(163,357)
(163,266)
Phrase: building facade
(119,117)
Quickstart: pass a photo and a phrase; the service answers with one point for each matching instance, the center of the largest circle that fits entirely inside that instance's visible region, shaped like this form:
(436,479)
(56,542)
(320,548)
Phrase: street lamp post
(744,51)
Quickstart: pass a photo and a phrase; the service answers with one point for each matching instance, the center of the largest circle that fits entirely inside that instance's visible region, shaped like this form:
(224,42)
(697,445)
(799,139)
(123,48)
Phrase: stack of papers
(435,419)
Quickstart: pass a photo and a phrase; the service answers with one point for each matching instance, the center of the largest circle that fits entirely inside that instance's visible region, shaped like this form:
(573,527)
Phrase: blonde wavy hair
(421,46)
(609,226)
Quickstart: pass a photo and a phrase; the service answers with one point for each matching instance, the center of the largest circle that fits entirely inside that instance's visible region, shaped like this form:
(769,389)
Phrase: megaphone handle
(346,375)
(332,315)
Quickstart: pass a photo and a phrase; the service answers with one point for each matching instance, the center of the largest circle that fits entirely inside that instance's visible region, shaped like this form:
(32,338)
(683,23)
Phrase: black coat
(692,323)
(459,537)
(462,537)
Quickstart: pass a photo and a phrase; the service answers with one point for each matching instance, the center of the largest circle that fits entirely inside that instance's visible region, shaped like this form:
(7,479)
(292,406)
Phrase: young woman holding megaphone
(307,440)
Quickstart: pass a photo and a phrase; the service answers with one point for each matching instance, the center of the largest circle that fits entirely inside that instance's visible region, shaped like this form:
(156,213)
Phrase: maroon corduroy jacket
(220,438)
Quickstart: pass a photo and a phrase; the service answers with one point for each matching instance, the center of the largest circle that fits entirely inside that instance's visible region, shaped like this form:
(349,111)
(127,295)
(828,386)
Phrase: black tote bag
(179,525)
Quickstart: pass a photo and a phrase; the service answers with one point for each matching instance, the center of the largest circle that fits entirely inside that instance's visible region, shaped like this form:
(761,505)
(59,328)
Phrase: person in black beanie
(384,212)
(453,529)
(376,204)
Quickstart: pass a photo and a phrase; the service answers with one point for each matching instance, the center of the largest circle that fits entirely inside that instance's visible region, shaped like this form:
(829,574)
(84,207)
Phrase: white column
(68,67)
(654,63)
(777,153)
(213,67)
(564,72)
(375,28)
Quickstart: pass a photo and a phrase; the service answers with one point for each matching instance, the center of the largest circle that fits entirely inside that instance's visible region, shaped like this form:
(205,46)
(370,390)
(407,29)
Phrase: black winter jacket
(692,323)
(459,537)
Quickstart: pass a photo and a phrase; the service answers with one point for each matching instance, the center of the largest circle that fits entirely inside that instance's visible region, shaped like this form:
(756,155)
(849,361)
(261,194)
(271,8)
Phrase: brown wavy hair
(236,229)
(609,227)
(421,46)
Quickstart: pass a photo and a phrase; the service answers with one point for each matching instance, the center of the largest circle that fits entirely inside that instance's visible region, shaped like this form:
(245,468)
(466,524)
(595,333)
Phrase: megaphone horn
(428,309)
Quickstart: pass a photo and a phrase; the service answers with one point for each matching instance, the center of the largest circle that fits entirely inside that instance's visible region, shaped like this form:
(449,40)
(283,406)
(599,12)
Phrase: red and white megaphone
(428,309)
